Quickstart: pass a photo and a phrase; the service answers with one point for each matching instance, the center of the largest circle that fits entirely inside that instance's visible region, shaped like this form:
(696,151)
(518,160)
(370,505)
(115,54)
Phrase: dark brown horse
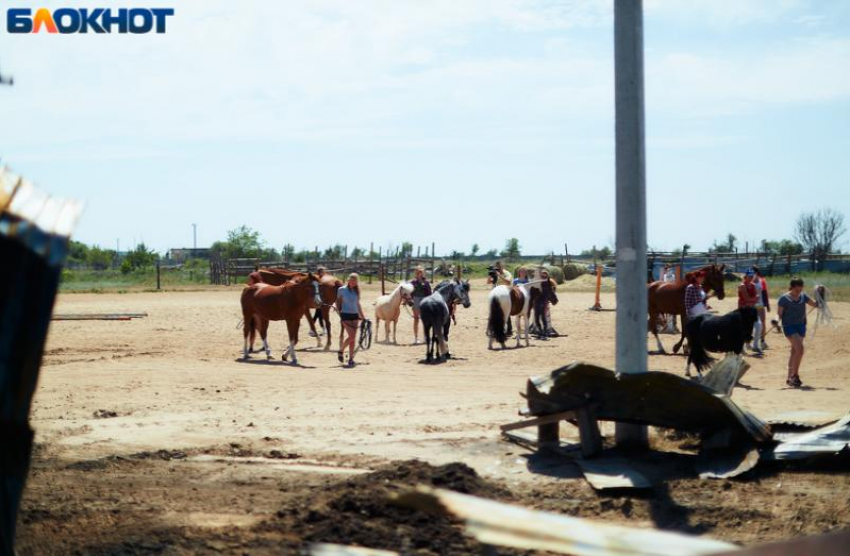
(669,298)
(328,285)
(262,303)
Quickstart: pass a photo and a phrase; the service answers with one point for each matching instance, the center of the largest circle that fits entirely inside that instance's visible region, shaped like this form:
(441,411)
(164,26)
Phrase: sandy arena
(153,437)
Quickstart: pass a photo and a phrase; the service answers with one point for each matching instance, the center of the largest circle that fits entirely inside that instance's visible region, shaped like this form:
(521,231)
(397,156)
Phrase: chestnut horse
(328,285)
(669,298)
(262,303)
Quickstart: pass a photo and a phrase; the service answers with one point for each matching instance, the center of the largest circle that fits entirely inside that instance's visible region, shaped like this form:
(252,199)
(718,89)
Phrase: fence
(232,271)
(770,264)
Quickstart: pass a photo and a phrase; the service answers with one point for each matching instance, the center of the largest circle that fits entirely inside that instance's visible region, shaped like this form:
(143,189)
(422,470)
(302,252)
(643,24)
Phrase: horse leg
(678,345)
(312,323)
(264,333)
(395,330)
(292,328)
(653,324)
(427,329)
(446,328)
(247,330)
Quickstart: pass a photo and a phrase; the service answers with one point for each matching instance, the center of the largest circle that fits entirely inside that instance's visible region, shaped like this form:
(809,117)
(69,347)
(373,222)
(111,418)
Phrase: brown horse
(328,285)
(669,298)
(262,303)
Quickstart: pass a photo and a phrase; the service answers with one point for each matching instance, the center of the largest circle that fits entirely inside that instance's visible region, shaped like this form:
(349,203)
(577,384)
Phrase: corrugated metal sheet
(498,524)
(823,441)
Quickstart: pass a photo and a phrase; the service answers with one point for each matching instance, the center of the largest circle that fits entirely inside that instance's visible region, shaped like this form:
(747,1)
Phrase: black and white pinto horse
(506,302)
(723,334)
(435,313)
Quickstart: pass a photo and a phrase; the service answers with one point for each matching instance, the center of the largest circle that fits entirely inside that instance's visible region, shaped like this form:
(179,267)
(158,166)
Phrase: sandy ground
(221,443)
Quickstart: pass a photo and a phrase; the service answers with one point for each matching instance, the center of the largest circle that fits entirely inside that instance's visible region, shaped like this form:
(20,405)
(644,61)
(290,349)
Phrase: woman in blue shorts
(350,315)
(792,314)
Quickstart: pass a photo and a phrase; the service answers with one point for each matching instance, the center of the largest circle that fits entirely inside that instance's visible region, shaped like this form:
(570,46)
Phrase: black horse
(436,316)
(718,334)
(542,325)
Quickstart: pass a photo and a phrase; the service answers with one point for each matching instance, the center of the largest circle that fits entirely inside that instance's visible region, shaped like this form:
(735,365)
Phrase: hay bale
(555,272)
(572,271)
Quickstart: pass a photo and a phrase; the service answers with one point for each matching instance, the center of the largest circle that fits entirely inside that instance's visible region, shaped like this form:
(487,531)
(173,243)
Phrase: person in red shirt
(748,297)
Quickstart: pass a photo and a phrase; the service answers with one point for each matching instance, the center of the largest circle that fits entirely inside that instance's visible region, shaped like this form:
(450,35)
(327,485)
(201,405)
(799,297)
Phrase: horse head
(715,279)
(406,291)
(313,280)
(460,290)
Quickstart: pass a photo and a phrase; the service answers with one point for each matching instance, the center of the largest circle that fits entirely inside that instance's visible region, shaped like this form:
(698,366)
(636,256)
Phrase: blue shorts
(791,329)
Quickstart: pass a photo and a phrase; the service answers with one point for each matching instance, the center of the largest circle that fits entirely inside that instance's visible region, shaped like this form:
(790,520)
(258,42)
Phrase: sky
(456,122)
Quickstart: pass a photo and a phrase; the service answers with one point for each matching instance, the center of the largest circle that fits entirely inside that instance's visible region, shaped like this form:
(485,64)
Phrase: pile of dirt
(359,511)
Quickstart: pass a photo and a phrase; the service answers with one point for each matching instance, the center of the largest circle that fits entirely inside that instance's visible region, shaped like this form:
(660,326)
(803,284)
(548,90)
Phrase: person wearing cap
(350,314)
(542,313)
(748,296)
(668,276)
(695,296)
(762,305)
(421,290)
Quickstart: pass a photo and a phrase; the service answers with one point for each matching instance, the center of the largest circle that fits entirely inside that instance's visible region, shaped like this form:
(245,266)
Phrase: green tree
(78,252)
(139,258)
(456,255)
(99,259)
(406,249)
(492,254)
(511,250)
(241,242)
(475,249)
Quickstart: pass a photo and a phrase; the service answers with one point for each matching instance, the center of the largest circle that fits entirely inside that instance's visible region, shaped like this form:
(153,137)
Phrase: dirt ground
(153,437)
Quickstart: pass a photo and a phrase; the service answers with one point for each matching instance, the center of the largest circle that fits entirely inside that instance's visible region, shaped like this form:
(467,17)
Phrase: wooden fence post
(433,260)
(157,275)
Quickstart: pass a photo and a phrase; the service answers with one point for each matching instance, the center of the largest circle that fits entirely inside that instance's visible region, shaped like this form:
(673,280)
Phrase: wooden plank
(588,428)
(539,421)
(499,524)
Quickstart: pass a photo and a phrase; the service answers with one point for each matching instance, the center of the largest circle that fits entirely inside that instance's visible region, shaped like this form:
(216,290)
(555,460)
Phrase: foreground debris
(495,523)
(732,440)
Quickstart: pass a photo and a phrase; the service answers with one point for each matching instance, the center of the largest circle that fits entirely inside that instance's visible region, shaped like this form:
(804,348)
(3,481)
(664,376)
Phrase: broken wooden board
(498,524)
(529,441)
(97,316)
(607,473)
(653,398)
(725,374)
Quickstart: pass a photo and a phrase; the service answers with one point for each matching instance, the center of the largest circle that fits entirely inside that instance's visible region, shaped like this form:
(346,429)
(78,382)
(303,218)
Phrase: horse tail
(497,320)
(698,354)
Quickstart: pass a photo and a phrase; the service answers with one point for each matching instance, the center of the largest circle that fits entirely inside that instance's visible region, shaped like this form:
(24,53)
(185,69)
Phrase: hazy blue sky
(454,121)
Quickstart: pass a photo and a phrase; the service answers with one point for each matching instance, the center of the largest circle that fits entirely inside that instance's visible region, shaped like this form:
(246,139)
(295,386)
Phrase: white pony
(506,302)
(388,308)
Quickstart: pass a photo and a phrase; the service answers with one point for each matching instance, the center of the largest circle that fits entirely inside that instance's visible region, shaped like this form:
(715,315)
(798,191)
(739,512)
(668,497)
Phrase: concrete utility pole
(631,202)
(194,237)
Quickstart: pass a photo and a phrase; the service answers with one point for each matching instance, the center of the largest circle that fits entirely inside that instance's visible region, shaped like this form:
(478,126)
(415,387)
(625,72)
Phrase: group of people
(351,311)
(753,292)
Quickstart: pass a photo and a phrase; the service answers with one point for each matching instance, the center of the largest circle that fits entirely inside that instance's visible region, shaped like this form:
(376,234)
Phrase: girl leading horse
(669,298)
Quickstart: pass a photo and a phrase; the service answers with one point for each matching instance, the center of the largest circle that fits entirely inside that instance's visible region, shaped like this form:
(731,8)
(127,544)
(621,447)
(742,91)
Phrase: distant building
(179,255)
